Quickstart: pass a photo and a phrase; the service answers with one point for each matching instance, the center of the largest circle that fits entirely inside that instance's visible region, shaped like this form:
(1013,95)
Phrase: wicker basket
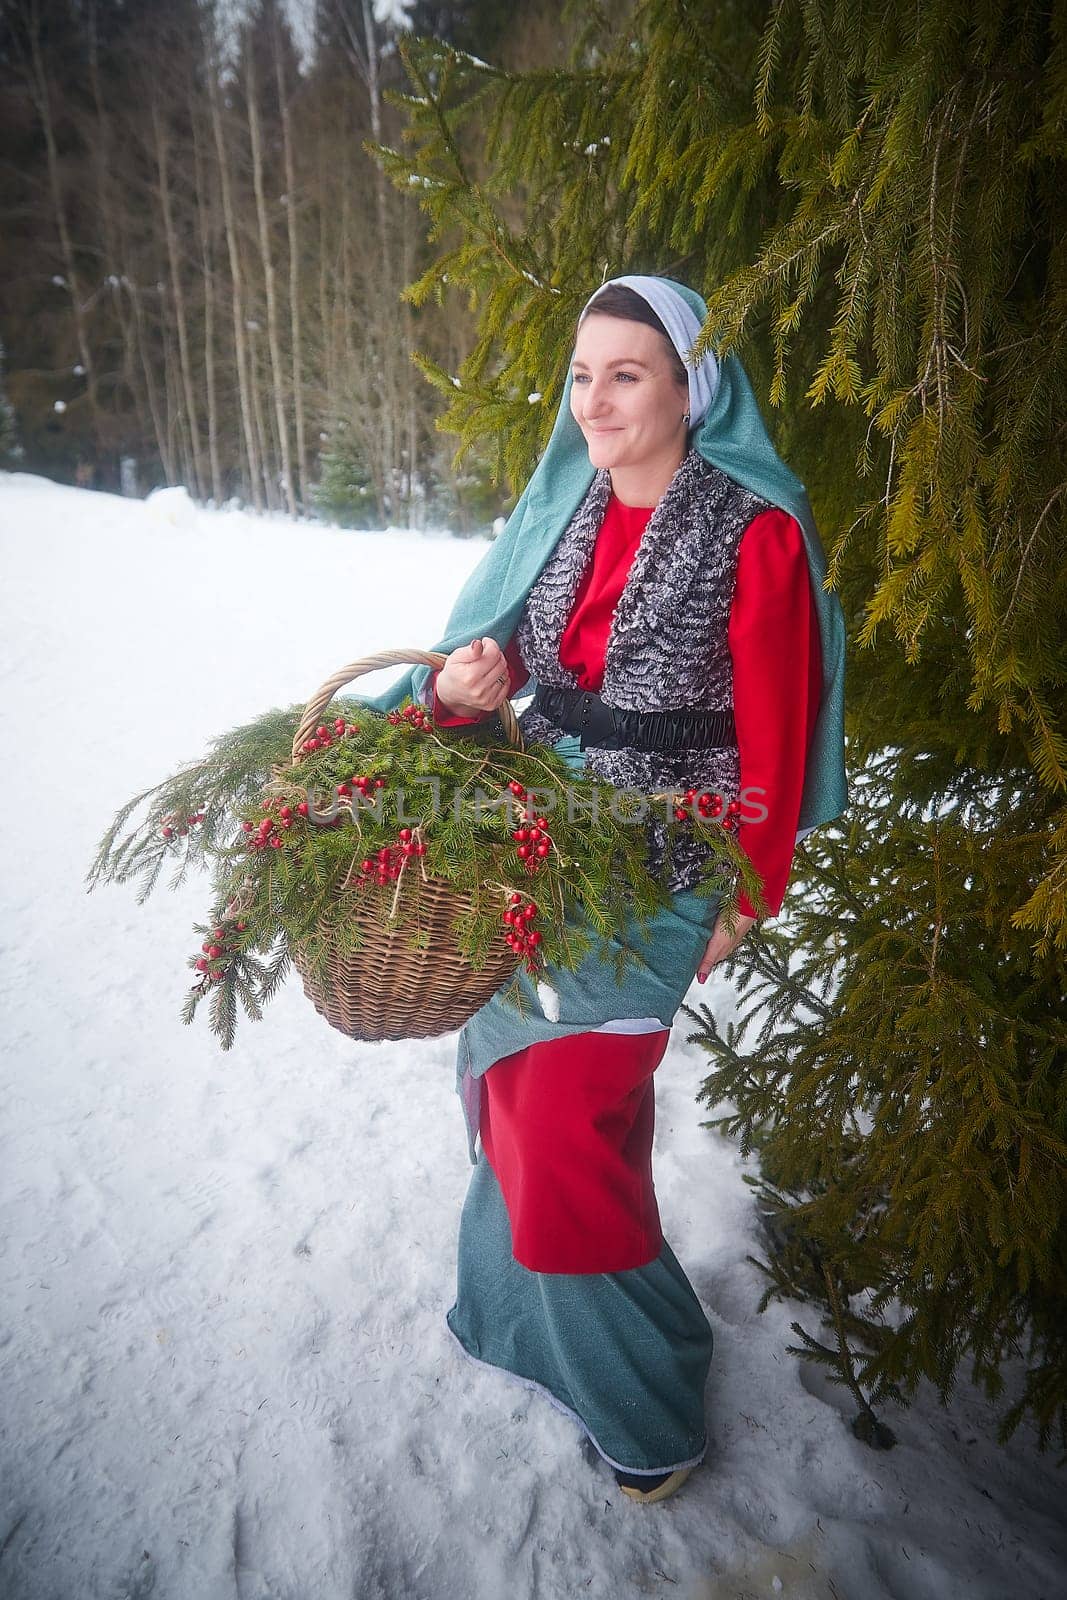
(385,990)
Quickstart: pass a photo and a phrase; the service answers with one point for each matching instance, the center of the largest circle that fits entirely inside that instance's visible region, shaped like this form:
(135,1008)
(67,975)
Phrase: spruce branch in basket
(406,872)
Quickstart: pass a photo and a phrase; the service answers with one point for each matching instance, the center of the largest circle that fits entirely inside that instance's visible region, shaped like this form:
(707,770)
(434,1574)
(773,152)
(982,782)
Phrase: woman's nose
(595,396)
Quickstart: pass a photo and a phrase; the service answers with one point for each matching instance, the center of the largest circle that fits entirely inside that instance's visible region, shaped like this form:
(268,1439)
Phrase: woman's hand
(722,944)
(469,684)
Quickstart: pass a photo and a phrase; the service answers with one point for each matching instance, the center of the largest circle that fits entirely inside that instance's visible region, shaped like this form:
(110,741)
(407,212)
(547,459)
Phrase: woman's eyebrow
(624,361)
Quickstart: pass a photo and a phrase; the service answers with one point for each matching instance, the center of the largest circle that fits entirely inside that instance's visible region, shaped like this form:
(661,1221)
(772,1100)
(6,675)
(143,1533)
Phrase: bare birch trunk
(255,473)
(379,333)
(294,268)
(277,378)
(161,143)
(270,487)
(172,395)
(108,205)
(345,320)
(204,213)
(409,395)
(383,284)
(326,340)
(159,423)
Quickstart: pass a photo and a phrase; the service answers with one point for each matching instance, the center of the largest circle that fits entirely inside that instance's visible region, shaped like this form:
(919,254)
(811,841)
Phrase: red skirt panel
(567,1127)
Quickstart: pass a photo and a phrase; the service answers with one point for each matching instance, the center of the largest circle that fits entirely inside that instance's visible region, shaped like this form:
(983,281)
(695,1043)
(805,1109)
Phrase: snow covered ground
(224,1361)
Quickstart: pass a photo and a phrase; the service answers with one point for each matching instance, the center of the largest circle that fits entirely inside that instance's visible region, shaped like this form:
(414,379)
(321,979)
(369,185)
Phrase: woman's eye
(583,377)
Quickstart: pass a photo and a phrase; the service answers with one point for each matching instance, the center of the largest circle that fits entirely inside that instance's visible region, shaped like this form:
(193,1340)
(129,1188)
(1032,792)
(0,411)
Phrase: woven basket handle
(386,658)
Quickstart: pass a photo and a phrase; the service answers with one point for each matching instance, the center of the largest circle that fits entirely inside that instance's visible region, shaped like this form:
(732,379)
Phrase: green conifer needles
(553,862)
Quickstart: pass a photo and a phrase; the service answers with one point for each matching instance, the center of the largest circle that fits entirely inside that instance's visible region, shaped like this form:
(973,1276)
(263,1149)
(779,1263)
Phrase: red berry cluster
(279,820)
(533,840)
(360,781)
(390,861)
(218,948)
(708,805)
(323,736)
(415,715)
(175,824)
(523,939)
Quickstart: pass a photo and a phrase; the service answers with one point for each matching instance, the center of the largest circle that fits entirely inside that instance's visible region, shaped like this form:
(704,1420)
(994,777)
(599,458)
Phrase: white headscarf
(683,326)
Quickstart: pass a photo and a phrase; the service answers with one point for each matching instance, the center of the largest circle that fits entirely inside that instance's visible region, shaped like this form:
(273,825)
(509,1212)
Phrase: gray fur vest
(667,646)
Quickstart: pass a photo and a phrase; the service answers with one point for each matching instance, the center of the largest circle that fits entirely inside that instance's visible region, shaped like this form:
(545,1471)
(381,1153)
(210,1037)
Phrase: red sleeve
(777,664)
(517,676)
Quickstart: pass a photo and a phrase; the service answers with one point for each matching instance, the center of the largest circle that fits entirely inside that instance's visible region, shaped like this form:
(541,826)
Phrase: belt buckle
(594,723)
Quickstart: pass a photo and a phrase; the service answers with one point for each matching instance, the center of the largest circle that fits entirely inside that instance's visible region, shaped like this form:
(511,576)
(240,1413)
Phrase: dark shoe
(646,1487)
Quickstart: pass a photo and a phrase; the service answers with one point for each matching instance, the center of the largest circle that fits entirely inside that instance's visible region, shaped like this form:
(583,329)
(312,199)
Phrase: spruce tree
(872,201)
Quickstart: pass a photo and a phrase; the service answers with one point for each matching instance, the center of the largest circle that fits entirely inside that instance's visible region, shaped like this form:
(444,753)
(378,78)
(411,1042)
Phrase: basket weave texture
(385,989)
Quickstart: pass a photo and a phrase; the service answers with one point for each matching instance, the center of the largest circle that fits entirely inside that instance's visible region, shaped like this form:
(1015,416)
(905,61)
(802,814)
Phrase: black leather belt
(607,728)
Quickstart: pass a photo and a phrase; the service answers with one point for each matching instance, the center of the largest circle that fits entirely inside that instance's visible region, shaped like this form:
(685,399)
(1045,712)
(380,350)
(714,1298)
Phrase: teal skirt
(625,1354)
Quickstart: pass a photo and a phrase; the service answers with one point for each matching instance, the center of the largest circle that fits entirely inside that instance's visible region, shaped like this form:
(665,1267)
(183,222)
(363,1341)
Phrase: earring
(685,419)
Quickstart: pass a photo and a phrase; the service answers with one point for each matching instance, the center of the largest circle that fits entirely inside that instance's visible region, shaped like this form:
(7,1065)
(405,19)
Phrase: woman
(660,583)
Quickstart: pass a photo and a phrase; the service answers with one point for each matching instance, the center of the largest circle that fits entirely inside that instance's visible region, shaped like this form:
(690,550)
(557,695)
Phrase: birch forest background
(201,266)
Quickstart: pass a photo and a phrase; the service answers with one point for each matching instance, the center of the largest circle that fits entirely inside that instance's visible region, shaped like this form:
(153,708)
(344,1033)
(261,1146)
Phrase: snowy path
(224,1362)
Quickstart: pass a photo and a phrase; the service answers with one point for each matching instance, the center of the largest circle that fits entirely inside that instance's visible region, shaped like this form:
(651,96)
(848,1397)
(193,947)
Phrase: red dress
(567,1126)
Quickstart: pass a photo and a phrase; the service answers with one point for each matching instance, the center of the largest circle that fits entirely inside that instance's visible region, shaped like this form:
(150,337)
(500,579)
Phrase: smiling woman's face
(625,396)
